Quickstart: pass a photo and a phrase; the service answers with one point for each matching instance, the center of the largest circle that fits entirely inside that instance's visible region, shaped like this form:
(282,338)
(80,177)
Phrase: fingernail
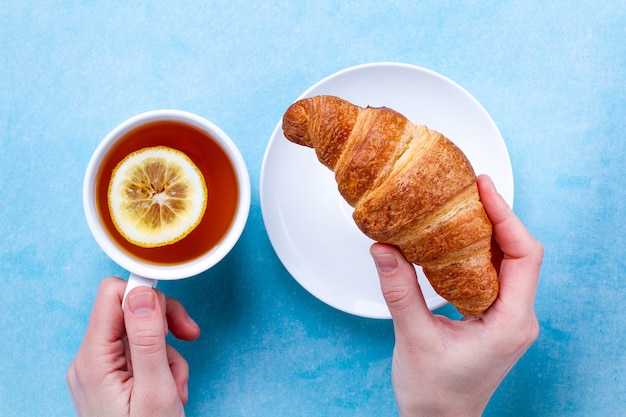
(192,321)
(385,262)
(143,302)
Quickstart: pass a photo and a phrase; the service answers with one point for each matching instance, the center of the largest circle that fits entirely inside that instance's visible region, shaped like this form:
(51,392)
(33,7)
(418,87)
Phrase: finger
(181,325)
(106,323)
(522,253)
(180,372)
(401,290)
(510,233)
(146,330)
(102,342)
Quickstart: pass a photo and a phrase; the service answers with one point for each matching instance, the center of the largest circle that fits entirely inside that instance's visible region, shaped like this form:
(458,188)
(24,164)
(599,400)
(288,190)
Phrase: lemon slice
(157,196)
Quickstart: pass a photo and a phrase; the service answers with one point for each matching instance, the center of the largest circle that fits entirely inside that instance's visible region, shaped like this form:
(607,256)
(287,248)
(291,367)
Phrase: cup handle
(137,281)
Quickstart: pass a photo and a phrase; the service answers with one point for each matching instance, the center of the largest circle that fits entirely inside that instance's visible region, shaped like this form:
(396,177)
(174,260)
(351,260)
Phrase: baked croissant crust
(410,187)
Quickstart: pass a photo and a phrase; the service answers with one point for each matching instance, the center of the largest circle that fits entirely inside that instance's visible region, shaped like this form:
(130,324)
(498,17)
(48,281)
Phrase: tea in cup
(221,186)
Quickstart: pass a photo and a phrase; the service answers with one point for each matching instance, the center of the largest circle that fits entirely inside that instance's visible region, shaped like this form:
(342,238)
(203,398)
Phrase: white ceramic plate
(309,224)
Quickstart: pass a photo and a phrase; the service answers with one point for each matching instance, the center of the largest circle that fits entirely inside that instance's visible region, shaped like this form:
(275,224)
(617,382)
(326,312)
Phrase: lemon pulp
(157,196)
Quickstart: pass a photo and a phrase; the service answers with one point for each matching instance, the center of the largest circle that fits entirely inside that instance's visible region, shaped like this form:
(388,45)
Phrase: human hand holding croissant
(410,187)
(444,367)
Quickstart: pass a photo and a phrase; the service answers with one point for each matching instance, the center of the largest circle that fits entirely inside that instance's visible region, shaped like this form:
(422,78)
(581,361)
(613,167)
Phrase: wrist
(442,407)
(437,412)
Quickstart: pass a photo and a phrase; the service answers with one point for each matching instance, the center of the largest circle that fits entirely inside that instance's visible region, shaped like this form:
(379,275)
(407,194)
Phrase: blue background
(552,74)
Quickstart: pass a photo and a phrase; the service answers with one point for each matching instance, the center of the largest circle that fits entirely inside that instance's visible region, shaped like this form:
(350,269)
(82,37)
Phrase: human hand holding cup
(228,196)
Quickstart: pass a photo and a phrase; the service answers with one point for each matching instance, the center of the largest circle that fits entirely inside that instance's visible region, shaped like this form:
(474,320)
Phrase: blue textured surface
(551,74)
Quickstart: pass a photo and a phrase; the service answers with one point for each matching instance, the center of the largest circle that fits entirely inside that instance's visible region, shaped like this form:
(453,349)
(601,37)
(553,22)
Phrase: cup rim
(180,270)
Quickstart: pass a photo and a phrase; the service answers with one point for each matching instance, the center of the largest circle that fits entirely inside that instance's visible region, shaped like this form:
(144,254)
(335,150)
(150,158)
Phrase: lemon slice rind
(157,196)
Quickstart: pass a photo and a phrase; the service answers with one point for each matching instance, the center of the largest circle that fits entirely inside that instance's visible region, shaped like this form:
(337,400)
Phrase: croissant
(410,187)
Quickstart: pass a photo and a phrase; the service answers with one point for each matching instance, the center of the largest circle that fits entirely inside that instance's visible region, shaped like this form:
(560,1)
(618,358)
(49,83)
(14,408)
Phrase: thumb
(146,329)
(401,290)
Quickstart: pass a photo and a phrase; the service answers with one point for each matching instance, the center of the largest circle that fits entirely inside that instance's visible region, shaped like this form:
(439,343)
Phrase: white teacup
(228,187)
